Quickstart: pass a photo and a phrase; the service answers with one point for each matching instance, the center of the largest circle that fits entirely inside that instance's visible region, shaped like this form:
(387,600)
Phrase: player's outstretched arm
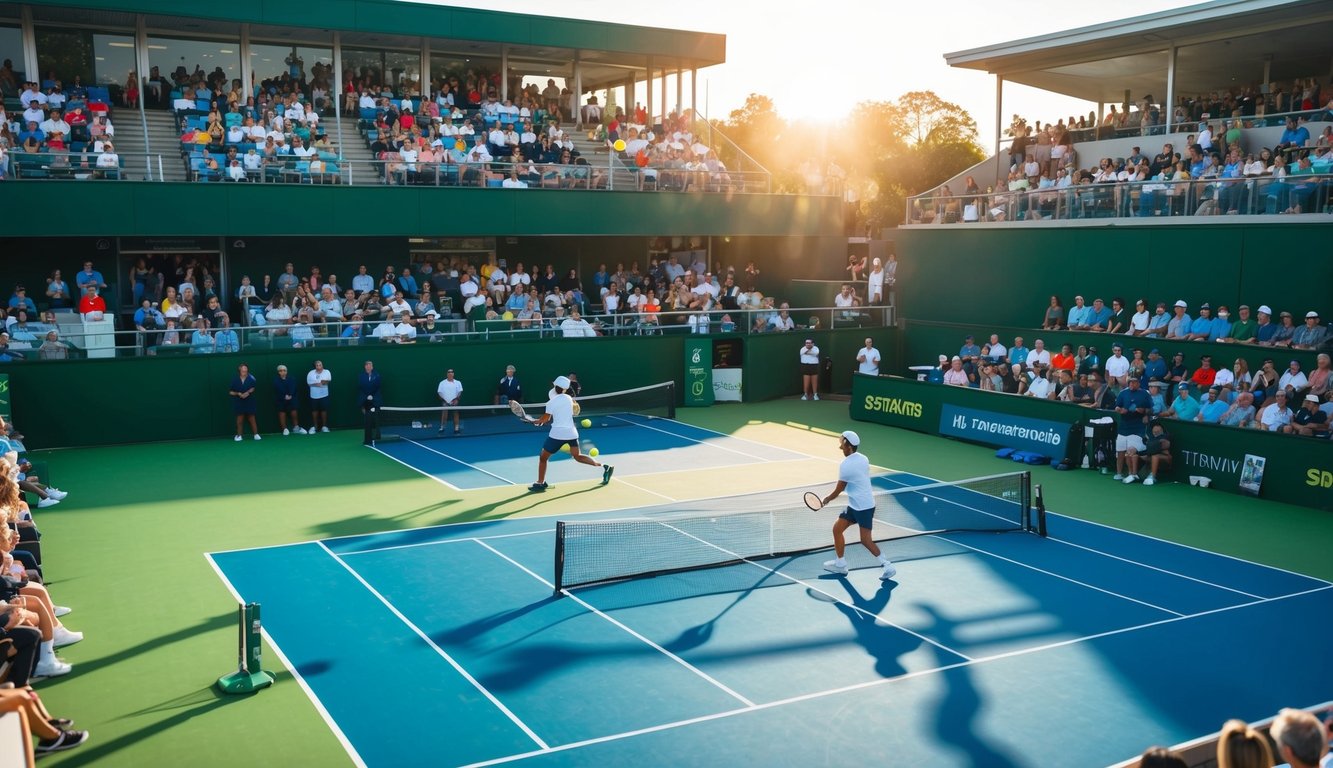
(837,491)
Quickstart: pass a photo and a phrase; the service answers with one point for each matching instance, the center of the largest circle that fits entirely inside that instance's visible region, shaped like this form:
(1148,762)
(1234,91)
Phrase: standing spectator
(868,358)
(92,306)
(57,291)
(87,277)
(285,399)
(1134,405)
(509,388)
(368,386)
(875,283)
(809,356)
(450,391)
(318,380)
(242,394)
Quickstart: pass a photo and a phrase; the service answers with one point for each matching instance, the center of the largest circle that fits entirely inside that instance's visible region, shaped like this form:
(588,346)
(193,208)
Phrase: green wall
(1298,470)
(1006,275)
(130,400)
(163,209)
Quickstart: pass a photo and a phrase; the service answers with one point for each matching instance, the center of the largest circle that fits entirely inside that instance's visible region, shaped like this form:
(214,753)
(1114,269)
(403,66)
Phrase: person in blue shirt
(1134,406)
(1184,407)
(201,342)
(1295,135)
(285,400)
(936,375)
(243,401)
(1154,368)
(1080,315)
(368,389)
(1158,399)
(352,333)
(20,300)
(87,277)
(1100,316)
(1157,323)
(1018,354)
(1213,406)
(1203,324)
(509,388)
(1220,330)
(226,340)
(969,349)
(408,283)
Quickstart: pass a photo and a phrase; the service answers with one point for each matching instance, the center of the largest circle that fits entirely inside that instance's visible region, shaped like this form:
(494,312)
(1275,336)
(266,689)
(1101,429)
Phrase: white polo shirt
(449,390)
(318,381)
(855,472)
(561,410)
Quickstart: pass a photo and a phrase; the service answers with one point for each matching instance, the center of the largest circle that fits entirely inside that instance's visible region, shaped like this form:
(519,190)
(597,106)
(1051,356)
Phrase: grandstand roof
(1220,43)
(602,47)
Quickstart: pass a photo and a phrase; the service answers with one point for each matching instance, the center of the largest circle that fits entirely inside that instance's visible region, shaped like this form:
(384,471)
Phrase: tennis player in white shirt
(854,478)
(560,415)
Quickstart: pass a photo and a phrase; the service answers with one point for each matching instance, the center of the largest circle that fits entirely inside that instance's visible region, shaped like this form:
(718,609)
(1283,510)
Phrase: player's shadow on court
(956,715)
(886,643)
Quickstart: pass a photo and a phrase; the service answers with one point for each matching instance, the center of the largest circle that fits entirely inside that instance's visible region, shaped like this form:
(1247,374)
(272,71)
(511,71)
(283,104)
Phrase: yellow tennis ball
(593,453)
(565,447)
(508,315)
(585,423)
(619,145)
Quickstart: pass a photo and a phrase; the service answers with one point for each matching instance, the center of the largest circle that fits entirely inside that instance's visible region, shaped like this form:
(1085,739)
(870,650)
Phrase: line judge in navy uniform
(368,385)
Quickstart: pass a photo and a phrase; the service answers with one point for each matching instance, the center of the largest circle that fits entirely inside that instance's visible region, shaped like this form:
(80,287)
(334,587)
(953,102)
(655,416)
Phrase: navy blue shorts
(552,445)
(862,517)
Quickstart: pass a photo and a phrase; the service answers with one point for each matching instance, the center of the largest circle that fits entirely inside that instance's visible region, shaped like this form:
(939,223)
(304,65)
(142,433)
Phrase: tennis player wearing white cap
(560,415)
(854,477)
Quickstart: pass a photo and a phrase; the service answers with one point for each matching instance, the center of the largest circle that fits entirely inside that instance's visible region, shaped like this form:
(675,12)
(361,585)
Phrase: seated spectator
(1243,330)
(1293,380)
(1301,740)
(969,348)
(1039,385)
(1080,316)
(1117,368)
(1119,320)
(92,306)
(1018,354)
(1202,326)
(1178,327)
(52,348)
(1039,356)
(1212,405)
(1310,335)
(1064,360)
(575,326)
(1184,407)
(1286,329)
(955,376)
(225,339)
(1308,420)
(1265,328)
(1204,376)
(1054,318)
(1276,414)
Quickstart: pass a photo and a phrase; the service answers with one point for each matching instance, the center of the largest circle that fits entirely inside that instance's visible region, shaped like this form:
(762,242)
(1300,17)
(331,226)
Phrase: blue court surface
(639,444)
(446,646)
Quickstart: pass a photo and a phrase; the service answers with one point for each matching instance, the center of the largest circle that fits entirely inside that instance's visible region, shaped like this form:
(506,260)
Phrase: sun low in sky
(817,61)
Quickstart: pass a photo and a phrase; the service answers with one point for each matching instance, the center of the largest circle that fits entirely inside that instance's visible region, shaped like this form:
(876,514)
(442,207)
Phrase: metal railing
(1137,126)
(161,341)
(1153,199)
(84,165)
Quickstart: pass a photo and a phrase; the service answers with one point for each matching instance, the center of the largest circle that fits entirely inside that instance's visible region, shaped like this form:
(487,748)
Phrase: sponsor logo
(1208,461)
(991,428)
(894,405)
(1319,478)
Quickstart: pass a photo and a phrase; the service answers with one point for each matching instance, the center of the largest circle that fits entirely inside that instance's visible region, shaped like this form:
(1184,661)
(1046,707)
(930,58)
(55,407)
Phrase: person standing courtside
(868,359)
(450,390)
(242,394)
(509,388)
(285,400)
(368,388)
(809,370)
(854,478)
(318,380)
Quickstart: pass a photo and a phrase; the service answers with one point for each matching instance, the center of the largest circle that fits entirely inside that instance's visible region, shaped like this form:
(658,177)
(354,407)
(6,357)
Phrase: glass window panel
(64,54)
(281,66)
(398,71)
(182,61)
(113,59)
(11,60)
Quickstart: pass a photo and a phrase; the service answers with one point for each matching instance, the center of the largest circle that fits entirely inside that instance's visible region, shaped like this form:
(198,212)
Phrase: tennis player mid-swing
(560,415)
(854,477)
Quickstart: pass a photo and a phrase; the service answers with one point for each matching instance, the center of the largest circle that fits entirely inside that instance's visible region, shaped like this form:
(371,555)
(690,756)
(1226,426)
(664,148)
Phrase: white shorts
(1125,442)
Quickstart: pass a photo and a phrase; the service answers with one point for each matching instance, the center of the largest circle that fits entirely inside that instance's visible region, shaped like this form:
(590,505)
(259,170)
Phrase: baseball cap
(1265,309)
(1181,303)
(852,438)
(1154,383)
(562,382)
(1312,398)
(1311,314)
(944,358)
(1154,351)
(1205,305)
(1183,385)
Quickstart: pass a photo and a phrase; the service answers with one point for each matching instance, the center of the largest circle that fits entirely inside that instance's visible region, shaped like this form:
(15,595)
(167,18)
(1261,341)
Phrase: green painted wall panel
(145,208)
(1004,276)
(772,362)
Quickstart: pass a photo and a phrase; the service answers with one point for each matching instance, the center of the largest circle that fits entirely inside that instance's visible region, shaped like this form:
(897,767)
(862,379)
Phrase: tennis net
(723,531)
(611,409)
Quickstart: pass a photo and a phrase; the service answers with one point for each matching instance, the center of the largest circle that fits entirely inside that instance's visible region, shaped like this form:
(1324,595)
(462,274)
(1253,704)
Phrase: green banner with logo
(699,371)
(5,408)
(1295,470)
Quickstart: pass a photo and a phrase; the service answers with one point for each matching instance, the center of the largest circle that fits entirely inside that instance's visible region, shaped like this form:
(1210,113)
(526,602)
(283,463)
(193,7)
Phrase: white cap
(561,381)
(1265,309)
(1312,398)
(1181,303)
(852,438)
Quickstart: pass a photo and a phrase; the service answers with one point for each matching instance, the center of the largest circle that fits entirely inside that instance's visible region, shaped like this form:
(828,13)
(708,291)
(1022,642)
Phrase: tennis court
(447,645)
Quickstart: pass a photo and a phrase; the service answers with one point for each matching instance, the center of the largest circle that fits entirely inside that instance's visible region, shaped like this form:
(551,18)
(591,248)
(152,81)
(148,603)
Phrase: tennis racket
(577,408)
(517,408)
(813,501)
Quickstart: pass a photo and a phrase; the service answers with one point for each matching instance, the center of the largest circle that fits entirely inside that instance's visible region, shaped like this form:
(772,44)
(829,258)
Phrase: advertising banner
(1005,430)
(699,371)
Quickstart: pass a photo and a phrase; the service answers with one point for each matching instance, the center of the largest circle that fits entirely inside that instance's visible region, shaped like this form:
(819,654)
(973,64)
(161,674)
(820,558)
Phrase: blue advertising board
(1006,430)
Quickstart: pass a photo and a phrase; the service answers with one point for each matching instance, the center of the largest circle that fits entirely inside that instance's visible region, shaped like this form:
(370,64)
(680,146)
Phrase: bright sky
(867,50)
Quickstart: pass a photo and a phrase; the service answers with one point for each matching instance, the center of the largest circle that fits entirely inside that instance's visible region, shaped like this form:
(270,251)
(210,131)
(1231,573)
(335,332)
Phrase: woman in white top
(875,283)
(560,415)
(809,355)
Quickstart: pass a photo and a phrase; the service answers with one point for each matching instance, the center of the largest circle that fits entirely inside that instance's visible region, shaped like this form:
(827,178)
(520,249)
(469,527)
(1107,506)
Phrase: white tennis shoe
(889,572)
(832,567)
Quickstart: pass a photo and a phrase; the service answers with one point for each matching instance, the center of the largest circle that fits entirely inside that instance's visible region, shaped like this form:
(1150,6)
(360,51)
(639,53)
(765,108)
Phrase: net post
(559,558)
(1041,512)
(1025,495)
(249,675)
(671,400)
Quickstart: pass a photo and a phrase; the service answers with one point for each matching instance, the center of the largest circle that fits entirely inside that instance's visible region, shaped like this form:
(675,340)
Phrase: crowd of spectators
(1295,739)
(31,628)
(70,131)
(1278,397)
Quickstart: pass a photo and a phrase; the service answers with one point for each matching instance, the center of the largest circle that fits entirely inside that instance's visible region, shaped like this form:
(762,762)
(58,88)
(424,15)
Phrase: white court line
(443,654)
(698,442)
(870,684)
(415,468)
(644,490)
(1154,568)
(710,679)
(765,445)
(477,539)
(815,588)
(502,479)
(309,692)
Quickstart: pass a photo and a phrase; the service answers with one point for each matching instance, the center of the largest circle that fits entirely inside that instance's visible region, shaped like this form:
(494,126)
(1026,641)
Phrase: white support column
(141,68)
(694,93)
(504,72)
(578,92)
(1170,106)
(679,86)
(661,113)
(999,127)
(425,69)
(338,88)
(30,68)
(648,98)
(247,69)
